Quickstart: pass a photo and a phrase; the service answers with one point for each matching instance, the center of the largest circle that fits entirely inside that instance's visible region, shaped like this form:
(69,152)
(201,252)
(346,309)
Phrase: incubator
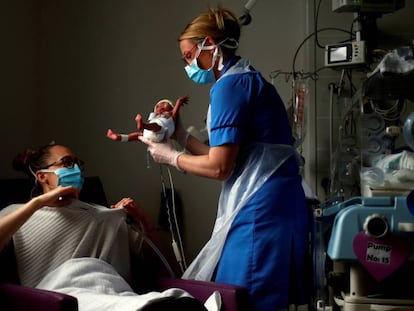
(364,244)
(386,127)
(370,255)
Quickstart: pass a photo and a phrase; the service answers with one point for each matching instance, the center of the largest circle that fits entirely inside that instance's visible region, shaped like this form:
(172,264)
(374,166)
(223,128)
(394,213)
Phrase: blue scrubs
(267,244)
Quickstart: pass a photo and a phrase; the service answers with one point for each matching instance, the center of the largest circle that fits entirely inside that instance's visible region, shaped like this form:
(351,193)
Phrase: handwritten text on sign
(378,253)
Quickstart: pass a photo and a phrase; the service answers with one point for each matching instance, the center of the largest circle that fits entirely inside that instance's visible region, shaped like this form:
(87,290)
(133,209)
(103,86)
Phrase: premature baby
(160,125)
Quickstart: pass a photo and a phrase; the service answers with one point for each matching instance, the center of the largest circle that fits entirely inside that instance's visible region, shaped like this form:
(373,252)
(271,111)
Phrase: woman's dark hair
(31,161)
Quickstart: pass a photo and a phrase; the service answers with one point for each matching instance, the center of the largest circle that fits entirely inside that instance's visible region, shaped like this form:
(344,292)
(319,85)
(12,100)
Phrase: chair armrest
(234,298)
(21,298)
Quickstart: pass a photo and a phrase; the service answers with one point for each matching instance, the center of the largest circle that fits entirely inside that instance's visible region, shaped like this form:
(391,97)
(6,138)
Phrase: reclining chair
(16,297)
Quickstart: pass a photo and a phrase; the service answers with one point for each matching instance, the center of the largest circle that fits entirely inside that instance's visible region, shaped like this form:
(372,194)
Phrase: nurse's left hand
(162,152)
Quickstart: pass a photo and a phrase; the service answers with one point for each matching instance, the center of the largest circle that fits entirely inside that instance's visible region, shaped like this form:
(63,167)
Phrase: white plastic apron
(261,161)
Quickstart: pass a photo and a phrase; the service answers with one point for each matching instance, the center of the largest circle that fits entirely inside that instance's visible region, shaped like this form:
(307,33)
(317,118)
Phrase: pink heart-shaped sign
(380,257)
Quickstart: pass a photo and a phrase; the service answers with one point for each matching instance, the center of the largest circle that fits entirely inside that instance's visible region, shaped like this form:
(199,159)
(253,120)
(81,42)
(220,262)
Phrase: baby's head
(164,105)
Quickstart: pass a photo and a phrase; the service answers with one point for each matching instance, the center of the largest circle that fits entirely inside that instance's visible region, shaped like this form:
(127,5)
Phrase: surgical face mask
(203,76)
(68,176)
(198,75)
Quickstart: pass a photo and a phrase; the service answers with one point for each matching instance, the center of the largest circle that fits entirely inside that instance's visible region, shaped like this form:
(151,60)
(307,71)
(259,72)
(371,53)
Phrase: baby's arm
(179,102)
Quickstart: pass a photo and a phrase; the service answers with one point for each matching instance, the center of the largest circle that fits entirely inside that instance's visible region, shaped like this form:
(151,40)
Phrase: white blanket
(97,286)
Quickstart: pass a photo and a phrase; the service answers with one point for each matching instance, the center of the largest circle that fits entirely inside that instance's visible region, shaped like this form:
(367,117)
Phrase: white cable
(175,218)
(154,248)
(178,249)
(390,114)
(164,192)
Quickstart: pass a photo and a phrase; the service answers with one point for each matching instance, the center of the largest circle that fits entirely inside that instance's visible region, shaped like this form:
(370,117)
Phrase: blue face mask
(68,176)
(198,75)
(203,76)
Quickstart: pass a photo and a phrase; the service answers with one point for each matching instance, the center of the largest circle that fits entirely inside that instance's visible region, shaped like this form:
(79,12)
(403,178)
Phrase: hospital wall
(72,69)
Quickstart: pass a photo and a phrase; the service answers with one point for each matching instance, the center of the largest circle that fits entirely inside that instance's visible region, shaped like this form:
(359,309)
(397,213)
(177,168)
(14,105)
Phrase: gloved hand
(162,152)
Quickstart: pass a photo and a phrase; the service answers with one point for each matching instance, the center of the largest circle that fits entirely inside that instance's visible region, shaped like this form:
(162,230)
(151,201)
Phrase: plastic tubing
(154,248)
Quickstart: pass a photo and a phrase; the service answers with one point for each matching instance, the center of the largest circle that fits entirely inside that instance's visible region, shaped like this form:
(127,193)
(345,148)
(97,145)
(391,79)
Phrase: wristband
(124,138)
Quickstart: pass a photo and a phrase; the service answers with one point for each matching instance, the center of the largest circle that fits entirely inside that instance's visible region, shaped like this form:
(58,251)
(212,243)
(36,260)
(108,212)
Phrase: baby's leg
(152,126)
(123,137)
(138,119)
(134,136)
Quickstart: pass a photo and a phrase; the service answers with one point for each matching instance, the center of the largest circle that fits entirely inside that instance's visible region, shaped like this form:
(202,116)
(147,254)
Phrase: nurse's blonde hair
(218,23)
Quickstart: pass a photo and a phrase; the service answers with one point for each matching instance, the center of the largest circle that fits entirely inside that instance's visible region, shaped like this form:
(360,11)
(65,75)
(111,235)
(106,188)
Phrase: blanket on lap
(98,286)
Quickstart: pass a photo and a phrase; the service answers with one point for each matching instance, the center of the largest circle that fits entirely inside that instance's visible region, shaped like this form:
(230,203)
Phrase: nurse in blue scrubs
(260,237)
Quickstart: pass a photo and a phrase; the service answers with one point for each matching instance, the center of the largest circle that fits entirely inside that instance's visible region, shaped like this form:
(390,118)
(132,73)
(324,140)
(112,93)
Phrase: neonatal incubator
(364,244)
(370,254)
(363,237)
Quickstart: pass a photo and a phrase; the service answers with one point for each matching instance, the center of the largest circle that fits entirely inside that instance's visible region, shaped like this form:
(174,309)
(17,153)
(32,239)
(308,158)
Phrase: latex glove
(162,152)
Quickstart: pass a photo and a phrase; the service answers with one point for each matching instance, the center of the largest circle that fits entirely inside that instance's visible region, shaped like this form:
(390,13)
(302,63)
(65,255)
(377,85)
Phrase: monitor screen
(338,54)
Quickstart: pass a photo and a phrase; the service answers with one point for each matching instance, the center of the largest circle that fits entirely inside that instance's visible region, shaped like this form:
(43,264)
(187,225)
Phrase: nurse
(260,237)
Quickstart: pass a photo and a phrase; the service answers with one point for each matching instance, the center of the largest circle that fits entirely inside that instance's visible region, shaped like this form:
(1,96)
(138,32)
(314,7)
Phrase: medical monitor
(345,54)
(372,6)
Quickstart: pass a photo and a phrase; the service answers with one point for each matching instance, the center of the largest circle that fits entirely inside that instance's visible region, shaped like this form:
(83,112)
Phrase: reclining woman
(66,245)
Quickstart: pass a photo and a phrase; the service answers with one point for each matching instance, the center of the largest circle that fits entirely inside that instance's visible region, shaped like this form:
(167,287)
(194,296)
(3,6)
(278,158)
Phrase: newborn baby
(160,125)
